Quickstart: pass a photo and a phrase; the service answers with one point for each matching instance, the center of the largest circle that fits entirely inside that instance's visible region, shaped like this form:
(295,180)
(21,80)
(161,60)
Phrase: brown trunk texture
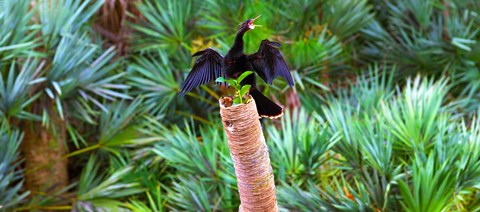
(250,156)
(46,169)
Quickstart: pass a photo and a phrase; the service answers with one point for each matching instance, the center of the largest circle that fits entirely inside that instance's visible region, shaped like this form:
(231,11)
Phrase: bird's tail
(265,107)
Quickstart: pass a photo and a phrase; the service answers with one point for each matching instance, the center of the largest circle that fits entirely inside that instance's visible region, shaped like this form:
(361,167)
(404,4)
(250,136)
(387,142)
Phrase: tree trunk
(44,149)
(250,156)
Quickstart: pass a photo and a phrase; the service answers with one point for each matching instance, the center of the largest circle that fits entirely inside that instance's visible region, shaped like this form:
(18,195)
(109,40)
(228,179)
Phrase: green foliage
(61,17)
(97,191)
(16,31)
(155,81)
(313,53)
(299,147)
(183,197)
(83,72)
(346,18)
(415,114)
(339,197)
(240,90)
(166,25)
(366,141)
(154,195)
(406,144)
(15,87)
(203,176)
(203,156)
(303,200)
(117,125)
(10,169)
(432,186)
(431,37)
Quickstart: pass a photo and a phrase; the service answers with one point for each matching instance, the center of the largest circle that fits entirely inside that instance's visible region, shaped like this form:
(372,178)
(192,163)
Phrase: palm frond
(432,186)
(184,151)
(413,116)
(11,182)
(99,191)
(16,31)
(166,25)
(191,193)
(16,89)
(341,196)
(117,125)
(310,55)
(204,176)
(155,197)
(294,198)
(82,73)
(469,170)
(155,81)
(346,18)
(299,148)
(60,17)
(317,49)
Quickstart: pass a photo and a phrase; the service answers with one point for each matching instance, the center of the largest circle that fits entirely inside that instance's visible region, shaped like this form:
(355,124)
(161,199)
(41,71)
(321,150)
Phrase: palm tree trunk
(250,156)
(44,149)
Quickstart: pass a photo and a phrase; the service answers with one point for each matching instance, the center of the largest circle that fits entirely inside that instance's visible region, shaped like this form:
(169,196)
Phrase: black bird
(268,63)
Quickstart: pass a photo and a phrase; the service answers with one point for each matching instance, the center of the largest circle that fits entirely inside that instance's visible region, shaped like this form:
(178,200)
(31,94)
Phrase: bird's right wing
(208,67)
(268,62)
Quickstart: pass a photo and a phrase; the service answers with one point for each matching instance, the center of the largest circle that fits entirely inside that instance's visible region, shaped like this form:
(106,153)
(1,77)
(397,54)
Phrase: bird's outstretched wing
(208,67)
(268,62)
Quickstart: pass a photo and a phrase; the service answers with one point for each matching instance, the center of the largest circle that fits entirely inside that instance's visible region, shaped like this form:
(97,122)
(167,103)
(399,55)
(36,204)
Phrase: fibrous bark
(46,169)
(250,156)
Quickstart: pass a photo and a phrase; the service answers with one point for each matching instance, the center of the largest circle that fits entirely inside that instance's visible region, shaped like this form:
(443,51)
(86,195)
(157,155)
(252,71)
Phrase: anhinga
(268,63)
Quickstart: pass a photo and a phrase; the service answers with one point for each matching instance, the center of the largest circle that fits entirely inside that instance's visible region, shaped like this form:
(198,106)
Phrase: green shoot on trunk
(240,91)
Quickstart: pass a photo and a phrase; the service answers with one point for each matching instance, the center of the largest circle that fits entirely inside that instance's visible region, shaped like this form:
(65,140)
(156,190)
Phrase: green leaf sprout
(240,91)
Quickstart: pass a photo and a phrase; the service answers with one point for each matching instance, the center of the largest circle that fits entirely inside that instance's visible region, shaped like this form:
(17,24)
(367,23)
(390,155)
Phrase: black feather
(207,68)
(268,62)
(266,107)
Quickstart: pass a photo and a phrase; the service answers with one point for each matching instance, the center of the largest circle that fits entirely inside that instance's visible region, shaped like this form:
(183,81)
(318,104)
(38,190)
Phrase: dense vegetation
(382,117)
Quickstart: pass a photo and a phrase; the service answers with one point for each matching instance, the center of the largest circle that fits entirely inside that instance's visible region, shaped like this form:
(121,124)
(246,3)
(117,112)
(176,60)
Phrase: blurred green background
(382,116)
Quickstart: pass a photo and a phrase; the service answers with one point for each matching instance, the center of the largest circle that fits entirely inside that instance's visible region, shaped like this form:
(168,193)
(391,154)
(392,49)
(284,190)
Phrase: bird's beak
(256,18)
(252,26)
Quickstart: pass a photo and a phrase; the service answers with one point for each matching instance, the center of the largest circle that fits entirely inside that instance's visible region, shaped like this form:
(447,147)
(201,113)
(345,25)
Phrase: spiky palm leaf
(60,17)
(15,89)
(166,25)
(10,170)
(98,191)
(300,147)
(16,31)
(155,81)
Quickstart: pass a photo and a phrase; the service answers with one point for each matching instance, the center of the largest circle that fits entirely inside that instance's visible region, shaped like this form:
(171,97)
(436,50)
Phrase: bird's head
(248,24)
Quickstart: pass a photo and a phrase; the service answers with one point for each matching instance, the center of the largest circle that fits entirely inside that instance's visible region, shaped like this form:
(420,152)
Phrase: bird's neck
(237,48)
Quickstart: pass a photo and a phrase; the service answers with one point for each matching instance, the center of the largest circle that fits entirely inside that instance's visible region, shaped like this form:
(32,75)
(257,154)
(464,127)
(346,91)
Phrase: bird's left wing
(268,62)
(207,67)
